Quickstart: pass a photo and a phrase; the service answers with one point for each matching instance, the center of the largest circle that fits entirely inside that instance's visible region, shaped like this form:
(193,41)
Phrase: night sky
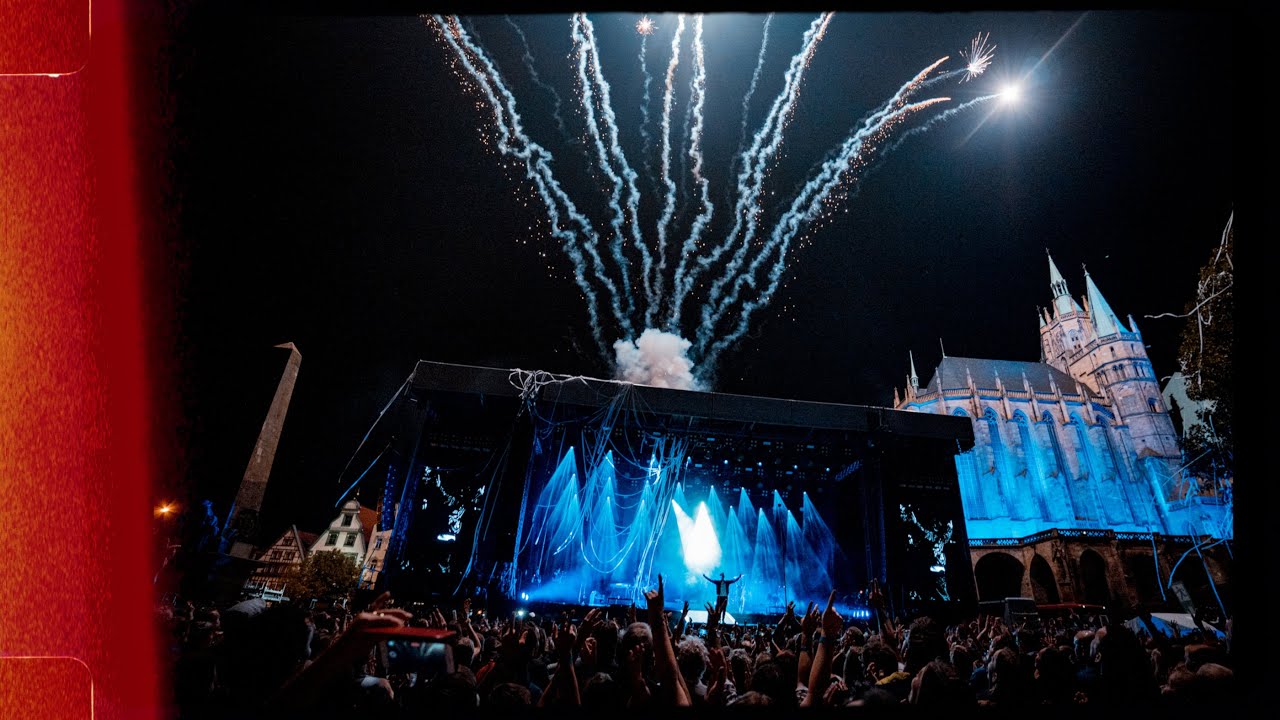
(330,188)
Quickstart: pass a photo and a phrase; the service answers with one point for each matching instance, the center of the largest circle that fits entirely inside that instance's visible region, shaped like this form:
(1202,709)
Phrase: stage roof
(433,377)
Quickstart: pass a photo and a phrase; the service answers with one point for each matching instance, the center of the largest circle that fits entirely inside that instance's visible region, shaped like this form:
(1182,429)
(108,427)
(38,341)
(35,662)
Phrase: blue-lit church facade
(1079,441)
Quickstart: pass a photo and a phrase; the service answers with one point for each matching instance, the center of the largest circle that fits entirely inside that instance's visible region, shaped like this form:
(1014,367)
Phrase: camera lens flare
(1011,93)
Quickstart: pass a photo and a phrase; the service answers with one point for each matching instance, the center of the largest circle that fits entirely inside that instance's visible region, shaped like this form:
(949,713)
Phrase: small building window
(1153,404)
(351,540)
(333,539)
(277,554)
(346,520)
(377,544)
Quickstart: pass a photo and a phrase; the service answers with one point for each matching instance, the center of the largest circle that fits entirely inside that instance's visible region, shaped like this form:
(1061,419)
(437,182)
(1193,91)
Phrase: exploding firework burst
(645,26)
(978,56)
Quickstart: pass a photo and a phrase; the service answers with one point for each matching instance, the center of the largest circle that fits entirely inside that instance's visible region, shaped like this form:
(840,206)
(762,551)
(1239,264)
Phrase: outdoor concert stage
(528,490)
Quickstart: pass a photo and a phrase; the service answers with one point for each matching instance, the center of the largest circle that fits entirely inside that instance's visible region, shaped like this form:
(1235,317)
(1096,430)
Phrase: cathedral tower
(1094,346)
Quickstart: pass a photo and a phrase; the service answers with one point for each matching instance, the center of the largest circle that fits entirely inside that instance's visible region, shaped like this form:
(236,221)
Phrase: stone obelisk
(243,520)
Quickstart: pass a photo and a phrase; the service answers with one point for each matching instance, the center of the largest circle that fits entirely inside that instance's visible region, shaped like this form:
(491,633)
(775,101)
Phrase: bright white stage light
(697,539)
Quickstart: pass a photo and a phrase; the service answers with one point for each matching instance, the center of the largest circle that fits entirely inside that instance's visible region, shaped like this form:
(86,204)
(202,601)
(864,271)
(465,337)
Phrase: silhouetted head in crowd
(751,697)
(875,697)
(1028,640)
(1083,647)
(509,695)
(606,635)
(1009,684)
(925,643)
(772,680)
(455,692)
(692,658)
(1197,654)
(463,652)
(602,692)
(262,650)
(934,685)
(1054,676)
(1124,668)
(879,660)
(740,666)
(961,660)
(637,633)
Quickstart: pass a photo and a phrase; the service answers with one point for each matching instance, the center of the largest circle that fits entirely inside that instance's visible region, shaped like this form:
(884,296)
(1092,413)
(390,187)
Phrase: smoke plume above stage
(660,261)
(656,358)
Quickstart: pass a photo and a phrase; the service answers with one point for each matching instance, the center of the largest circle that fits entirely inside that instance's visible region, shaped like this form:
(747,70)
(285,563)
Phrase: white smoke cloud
(656,358)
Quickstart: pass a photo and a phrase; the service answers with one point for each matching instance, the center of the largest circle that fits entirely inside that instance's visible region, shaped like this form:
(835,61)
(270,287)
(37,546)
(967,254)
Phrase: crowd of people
(256,659)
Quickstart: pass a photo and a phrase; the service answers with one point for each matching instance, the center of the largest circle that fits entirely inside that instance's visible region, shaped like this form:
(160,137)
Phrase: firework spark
(645,26)
(978,56)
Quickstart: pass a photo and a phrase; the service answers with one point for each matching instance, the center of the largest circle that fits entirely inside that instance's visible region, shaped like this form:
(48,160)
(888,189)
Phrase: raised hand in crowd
(714,613)
(718,685)
(311,684)
(563,688)
(820,675)
(664,659)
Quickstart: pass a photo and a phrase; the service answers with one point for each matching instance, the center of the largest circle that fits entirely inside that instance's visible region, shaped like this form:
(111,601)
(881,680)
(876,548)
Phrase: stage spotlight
(936,569)
(519,613)
(524,596)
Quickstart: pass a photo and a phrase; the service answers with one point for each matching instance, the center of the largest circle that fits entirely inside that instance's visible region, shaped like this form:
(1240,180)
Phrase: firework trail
(806,206)
(533,75)
(615,149)
(882,156)
(751,90)
(514,142)
(713,311)
(751,176)
(669,207)
(603,153)
(644,101)
(921,129)
(685,136)
(695,153)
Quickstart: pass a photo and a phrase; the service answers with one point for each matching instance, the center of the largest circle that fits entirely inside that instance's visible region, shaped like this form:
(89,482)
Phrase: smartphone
(427,652)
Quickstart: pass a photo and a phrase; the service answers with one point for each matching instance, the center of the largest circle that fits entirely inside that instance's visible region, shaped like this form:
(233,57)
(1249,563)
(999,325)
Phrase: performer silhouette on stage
(722,586)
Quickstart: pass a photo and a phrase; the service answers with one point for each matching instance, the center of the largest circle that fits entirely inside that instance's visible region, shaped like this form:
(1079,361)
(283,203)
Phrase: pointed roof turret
(1040,316)
(1104,319)
(1062,300)
(915,379)
(1133,326)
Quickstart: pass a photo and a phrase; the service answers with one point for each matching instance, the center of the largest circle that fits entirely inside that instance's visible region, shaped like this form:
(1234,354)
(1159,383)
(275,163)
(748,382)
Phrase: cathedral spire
(915,380)
(1062,300)
(1105,321)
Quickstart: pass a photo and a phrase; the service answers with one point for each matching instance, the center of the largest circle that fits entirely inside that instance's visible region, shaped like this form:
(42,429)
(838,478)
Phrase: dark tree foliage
(322,575)
(1205,355)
